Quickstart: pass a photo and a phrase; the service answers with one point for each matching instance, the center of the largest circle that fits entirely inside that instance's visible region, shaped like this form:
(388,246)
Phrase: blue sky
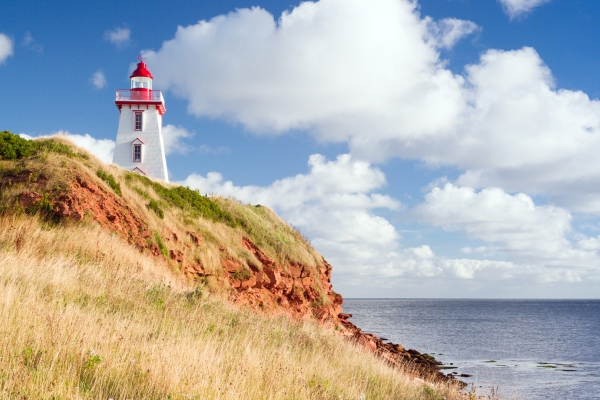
(446,148)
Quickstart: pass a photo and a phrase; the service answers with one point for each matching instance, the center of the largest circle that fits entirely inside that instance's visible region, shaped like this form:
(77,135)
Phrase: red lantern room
(140,90)
(141,82)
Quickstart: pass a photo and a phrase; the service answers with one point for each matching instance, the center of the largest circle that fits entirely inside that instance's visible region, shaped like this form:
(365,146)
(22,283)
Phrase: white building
(139,145)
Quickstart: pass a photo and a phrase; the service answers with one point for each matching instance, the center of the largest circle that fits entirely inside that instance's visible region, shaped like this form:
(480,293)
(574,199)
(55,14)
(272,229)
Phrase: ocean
(528,349)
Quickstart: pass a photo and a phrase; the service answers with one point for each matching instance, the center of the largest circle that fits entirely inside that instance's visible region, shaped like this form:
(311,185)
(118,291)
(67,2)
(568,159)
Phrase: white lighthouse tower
(139,145)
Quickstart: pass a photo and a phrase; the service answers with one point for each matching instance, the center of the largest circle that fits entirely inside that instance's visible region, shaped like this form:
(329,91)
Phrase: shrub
(153,205)
(13,147)
(110,180)
(188,199)
(242,275)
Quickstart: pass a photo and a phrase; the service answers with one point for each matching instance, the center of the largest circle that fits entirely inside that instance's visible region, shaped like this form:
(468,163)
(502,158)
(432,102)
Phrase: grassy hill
(116,286)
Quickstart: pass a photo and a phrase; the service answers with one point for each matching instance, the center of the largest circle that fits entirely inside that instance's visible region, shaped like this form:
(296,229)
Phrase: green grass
(161,245)
(110,180)
(14,147)
(153,205)
(242,275)
(273,236)
(187,199)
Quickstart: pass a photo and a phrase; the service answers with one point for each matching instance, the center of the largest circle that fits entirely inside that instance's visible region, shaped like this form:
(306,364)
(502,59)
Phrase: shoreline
(425,366)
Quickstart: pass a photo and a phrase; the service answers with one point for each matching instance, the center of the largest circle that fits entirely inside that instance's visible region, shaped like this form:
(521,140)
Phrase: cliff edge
(244,253)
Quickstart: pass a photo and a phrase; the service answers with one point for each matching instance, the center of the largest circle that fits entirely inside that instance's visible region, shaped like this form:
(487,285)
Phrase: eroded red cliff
(268,286)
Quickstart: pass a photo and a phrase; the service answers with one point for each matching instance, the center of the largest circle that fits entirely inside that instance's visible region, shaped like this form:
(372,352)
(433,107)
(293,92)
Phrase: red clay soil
(294,288)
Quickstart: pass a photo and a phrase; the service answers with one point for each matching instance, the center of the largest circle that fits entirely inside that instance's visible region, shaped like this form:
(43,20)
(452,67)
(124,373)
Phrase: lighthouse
(139,146)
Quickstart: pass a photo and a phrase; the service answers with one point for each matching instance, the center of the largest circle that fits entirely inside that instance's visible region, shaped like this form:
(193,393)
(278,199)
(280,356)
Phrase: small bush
(139,191)
(319,302)
(153,205)
(45,207)
(242,275)
(14,147)
(188,199)
(110,180)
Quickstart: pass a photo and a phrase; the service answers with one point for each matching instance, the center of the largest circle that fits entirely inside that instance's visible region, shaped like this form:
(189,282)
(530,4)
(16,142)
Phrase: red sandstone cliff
(261,283)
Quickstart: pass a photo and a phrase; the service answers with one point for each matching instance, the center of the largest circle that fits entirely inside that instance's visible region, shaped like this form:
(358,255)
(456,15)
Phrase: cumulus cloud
(514,226)
(447,32)
(525,135)
(6,47)
(98,79)
(515,131)
(118,36)
(370,74)
(332,202)
(515,8)
(173,139)
(101,148)
(334,205)
(338,67)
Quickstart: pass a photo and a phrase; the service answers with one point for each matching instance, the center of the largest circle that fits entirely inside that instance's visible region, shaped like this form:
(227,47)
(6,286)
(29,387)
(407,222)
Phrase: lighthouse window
(141,83)
(138,121)
(137,153)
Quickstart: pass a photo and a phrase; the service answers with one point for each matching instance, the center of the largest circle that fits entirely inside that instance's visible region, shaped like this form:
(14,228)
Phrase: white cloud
(524,135)
(331,202)
(339,67)
(515,8)
(172,137)
(98,79)
(29,42)
(447,32)
(118,36)
(515,131)
(101,148)
(470,250)
(6,47)
(513,226)
(369,74)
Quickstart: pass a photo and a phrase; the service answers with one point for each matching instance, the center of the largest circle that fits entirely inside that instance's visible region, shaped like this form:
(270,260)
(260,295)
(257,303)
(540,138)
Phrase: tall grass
(84,315)
(166,208)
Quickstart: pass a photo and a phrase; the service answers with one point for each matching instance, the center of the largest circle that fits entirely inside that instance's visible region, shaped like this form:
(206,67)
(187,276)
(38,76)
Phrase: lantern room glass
(141,82)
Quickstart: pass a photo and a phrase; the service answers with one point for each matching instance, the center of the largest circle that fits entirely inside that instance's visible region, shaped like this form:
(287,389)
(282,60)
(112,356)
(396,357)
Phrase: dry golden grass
(261,225)
(84,315)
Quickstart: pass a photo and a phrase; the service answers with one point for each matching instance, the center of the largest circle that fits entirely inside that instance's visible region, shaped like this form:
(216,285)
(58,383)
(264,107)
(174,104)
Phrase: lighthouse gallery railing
(136,95)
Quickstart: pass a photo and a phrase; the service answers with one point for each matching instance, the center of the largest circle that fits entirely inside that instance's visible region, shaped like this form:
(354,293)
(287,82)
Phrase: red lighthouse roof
(141,70)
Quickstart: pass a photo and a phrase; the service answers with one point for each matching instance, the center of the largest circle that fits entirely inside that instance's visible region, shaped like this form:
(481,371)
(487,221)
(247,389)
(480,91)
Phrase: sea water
(528,349)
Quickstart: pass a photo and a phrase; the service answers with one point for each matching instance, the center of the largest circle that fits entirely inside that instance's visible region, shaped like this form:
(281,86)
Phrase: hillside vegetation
(115,286)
